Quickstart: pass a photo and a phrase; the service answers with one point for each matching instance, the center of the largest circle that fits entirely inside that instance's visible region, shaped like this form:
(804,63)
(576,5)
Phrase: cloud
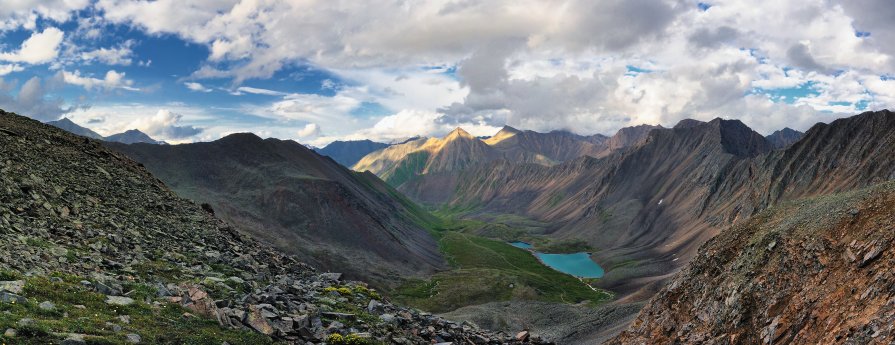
(258,91)
(24,13)
(112,80)
(7,69)
(309,130)
(32,100)
(121,55)
(41,47)
(164,124)
(196,87)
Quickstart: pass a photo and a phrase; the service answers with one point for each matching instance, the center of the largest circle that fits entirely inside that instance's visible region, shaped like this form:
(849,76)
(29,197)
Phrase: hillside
(99,251)
(348,153)
(303,203)
(813,271)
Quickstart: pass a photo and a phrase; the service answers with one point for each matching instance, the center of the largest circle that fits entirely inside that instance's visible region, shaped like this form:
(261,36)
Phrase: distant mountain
(816,271)
(784,137)
(74,128)
(133,136)
(348,153)
(301,202)
(418,166)
(128,137)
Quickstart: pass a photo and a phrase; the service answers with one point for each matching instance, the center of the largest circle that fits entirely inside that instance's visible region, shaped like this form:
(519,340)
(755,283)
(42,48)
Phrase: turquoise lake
(576,264)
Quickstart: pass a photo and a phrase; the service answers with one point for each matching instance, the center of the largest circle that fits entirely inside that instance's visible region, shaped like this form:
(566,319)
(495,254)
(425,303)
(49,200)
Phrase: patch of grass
(80,310)
(486,270)
(37,242)
(563,246)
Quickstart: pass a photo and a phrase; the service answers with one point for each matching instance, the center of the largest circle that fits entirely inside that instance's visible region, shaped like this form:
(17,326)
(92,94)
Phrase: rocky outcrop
(815,271)
(72,209)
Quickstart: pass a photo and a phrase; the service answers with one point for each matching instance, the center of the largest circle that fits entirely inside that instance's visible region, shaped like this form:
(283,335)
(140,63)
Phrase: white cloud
(165,124)
(112,80)
(308,131)
(120,55)
(41,47)
(196,87)
(7,69)
(258,91)
(24,13)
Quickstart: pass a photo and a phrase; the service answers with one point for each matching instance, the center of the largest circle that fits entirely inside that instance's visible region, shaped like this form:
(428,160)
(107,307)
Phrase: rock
(74,339)
(119,300)
(8,297)
(14,286)
(46,306)
(871,255)
(331,276)
(522,336)
(258,322)
(25,323)
(133,338)
(373,305)
(387,318)
(10,333)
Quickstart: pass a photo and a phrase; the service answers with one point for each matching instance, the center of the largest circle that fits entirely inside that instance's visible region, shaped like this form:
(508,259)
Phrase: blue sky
(315,72)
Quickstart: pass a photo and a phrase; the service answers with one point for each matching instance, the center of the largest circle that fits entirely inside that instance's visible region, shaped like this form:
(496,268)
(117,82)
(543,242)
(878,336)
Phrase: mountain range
(720,234)
(128,137)
(305,204)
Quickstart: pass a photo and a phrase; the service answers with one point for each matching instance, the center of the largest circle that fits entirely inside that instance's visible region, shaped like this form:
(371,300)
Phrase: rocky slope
(348,153)
(301,202)
(98,250)
(815,271)
(784,137)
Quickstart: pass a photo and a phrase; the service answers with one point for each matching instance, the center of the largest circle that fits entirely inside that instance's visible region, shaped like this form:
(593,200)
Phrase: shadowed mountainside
(348,153)
(784,137)
(303,203)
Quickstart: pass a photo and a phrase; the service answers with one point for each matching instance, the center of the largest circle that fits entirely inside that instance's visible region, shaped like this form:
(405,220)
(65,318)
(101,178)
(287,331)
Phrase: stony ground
(815,271)
(96,250)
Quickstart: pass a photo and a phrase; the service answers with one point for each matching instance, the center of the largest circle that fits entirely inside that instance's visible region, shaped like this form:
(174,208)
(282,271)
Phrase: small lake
(576,264)
(520,244)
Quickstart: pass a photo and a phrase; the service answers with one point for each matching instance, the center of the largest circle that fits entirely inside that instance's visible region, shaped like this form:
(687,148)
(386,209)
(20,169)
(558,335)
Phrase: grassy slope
(79,310)
(486,270)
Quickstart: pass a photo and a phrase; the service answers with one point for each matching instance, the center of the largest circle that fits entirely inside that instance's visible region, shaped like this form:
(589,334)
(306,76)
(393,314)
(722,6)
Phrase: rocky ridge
(811,271)
(84,226)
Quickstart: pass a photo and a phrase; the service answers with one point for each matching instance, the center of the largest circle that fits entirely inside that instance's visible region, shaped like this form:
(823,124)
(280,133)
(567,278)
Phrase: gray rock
(119,300)
(134,338)
(10,333)
(8,297)
(331,276)
(14,286)
(46,306)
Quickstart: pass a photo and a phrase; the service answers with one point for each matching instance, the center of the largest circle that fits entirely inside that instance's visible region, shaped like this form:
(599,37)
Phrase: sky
(318,71)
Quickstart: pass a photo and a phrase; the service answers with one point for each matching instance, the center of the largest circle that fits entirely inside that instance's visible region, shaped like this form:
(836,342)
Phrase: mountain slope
(74,128)
(98,251)
(816,271)
(132,136)
(348,153)
(301,202)
(784,137)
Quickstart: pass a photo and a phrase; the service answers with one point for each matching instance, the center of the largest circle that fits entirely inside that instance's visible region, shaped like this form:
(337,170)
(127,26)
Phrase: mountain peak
(508,129)
(459,133)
